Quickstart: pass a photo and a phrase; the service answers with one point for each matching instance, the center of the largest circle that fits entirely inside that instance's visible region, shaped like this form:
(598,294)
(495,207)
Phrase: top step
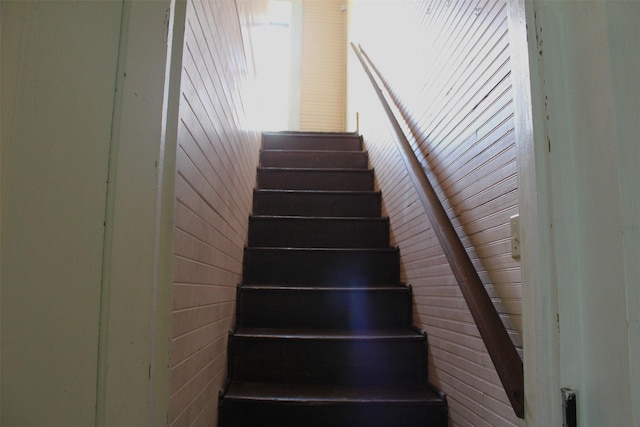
(311,141)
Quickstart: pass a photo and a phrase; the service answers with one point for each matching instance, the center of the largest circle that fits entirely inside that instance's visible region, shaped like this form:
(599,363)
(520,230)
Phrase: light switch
(515,237)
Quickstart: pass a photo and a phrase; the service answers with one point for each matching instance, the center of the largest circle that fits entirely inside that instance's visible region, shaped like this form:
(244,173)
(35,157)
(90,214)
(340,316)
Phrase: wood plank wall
(323,71)
(448,64)
(216,164)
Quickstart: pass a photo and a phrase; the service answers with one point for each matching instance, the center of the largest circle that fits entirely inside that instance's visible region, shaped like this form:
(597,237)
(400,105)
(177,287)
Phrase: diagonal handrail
(501,349)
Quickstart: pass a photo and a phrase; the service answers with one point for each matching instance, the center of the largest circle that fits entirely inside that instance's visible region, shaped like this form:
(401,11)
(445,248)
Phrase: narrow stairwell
(324,334)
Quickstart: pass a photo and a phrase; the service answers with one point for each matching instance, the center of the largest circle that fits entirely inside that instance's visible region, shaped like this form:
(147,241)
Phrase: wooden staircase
(324,332)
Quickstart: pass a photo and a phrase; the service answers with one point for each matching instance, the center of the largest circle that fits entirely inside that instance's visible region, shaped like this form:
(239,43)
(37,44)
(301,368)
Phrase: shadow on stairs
(324,333)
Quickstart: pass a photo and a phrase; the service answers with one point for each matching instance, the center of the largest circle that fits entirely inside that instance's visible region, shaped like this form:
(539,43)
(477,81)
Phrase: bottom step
(288,405)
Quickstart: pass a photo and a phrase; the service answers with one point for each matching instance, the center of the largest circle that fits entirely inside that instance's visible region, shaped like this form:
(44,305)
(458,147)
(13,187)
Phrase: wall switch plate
(515,236)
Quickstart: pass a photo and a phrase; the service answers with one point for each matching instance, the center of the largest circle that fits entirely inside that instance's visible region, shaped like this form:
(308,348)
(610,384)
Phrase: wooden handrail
(501,349)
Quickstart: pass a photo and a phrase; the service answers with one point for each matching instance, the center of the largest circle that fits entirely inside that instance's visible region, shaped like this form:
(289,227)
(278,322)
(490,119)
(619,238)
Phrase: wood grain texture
(447,64)
(216,160)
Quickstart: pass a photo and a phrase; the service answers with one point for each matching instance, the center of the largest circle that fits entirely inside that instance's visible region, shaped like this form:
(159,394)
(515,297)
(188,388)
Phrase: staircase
(324,335)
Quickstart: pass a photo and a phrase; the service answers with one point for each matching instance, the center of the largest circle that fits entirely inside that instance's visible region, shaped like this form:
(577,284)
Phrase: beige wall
(323,71)
(448,64)
(57,103)
(216,165)
(86,151)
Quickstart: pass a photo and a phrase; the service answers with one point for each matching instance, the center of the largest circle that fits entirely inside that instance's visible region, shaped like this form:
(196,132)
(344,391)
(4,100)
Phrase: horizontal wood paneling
(216,163)
(447,63)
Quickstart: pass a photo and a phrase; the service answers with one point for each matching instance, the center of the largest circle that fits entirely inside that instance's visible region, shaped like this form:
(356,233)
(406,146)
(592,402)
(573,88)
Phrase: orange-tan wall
(216,163)
(323,70)
(448,64)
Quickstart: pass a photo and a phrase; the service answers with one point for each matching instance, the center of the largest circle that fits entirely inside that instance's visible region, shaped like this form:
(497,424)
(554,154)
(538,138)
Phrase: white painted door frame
(133,356)
(575,66)
(539,293)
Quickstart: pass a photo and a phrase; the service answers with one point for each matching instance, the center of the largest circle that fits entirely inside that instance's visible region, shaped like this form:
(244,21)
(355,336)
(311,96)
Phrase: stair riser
(238,414)
(323,361)
(314,159)
(361,180)
(304,142)
(323,332)
(318,233)
(328,267)
(325,309)
(317,204)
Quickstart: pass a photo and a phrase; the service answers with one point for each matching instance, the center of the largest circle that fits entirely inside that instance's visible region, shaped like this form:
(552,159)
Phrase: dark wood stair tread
(324,307)
(319,218)
(328,170)
(328,334)
(314,158)
(314,133)
(321,266)
(333,393)
(344,250)
(322,152)
(311,288)
(338,192)
(332,179)
(316,141)
(328,287)
(331,203)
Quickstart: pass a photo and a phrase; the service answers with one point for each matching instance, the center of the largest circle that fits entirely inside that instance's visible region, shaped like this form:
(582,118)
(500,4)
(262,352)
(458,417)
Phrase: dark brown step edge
(300,286)
(321,266)
(300,231)
(315,170)
(313,202)
(316,307)
(279,393)
(318,159)
(405,334)
(315,179)
(296,151)
(328,356)
(283,411)
(398,287)
(312,142)
(389,249)
(312,133)
(283,219)
(319,192)
(319,218)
